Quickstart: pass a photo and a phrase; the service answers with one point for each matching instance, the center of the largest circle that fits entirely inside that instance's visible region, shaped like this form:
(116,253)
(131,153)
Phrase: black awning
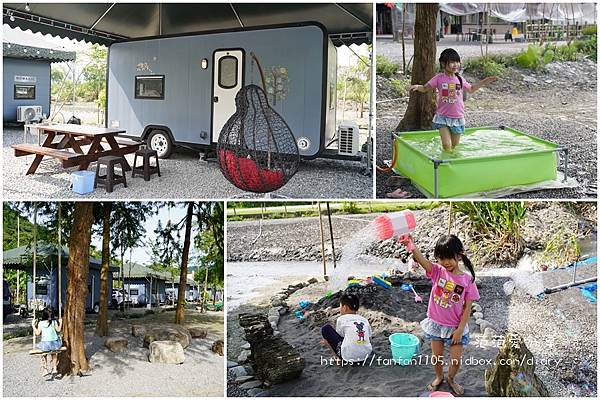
(106,23)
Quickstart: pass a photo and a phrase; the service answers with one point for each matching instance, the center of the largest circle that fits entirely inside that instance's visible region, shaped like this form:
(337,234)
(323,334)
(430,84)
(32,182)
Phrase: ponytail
(469,265)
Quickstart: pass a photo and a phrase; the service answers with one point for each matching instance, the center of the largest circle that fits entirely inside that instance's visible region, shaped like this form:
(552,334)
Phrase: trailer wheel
(96,308)
(161,142)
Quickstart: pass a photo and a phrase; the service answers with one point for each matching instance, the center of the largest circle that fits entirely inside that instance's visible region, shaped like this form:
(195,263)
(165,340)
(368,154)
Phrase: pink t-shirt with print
(448,295)
(450,96)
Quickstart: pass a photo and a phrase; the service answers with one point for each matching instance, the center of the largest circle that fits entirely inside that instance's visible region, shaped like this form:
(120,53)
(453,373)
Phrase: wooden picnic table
(69,150)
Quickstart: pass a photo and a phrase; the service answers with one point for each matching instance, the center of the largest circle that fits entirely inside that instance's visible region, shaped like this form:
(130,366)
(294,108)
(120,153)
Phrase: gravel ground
(125,374)
(184,176)
(558,104)
(393,50)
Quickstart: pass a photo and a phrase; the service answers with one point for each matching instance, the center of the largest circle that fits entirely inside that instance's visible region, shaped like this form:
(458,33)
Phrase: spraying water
(356,263)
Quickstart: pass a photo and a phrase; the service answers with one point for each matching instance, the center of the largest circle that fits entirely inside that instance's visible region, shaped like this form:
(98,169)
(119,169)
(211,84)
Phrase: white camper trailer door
(227,81)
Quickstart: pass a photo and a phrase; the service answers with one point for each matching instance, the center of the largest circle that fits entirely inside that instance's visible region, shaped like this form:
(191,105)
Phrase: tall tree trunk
(421,106)
(73,360)
(180,313)
(102,323)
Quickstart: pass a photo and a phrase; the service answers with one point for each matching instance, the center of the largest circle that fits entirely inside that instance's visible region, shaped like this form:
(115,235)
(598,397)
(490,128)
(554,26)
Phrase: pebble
(238,371)
(246,346)
(251,385)
(254,392)
(231,364)
(243,379)
(478,315)
(243,357)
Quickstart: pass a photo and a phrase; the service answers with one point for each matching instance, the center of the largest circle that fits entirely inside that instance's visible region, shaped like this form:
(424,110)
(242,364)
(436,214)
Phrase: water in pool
(479,143)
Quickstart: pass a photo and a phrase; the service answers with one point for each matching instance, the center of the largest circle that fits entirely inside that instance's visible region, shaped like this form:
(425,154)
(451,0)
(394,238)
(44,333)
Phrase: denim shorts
(435,331)
(455,125)
(52,345)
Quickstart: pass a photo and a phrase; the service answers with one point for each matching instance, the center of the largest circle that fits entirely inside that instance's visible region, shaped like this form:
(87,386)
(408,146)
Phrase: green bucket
(404,347)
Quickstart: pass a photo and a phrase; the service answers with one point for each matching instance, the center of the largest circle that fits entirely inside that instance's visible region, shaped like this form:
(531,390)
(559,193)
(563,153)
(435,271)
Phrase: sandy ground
(184,176)
(125,374)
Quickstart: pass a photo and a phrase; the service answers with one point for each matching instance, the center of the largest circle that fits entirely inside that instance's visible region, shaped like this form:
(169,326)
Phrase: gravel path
(184,176)
(125,374)
(558,104)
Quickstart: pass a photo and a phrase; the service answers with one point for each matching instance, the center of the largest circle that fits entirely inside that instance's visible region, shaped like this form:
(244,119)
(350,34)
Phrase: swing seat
(39,352)
(245,174)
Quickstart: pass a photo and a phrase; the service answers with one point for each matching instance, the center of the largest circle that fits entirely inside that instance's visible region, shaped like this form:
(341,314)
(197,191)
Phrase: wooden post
(60,266)
(322,241)
(34,262)
(331,234)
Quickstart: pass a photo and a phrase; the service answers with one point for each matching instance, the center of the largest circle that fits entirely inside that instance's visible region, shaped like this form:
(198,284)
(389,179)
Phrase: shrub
(400,86)
(566,52)
(590,30)
(385,67)
(588,47)
(485,66)
(535,57)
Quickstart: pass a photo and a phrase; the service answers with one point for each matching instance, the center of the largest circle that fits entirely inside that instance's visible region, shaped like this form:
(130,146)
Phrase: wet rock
(170,333)
(489,333)
(283,310)
(246,346)
(200,333)
(116,344)
(476,307)
(312,280)
(217,347)
(231,364)
(478,315)
(166,352)
(255,392)
(513,373)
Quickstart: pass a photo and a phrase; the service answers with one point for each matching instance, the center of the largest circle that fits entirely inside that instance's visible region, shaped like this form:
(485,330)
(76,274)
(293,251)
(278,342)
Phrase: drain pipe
(575,282)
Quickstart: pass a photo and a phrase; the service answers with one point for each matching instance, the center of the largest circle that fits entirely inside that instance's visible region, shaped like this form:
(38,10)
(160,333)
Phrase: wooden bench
(25,149)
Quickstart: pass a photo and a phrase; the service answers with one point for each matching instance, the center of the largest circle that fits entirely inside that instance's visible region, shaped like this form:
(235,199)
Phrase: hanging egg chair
(257,151)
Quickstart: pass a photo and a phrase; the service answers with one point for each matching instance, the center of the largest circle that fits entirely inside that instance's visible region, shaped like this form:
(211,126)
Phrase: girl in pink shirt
(449,308)
(450,114)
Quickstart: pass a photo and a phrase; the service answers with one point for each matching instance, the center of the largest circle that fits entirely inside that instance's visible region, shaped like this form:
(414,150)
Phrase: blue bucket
(404,347)
(83,181)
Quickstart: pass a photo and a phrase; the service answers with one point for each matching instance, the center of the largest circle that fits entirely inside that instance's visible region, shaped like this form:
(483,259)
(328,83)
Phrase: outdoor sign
(25,79)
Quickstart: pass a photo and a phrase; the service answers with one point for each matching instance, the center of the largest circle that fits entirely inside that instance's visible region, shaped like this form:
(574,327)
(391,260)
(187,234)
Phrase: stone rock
(251,385)
(138,330)
(483,324)
(217,347)
(276,302)
(476,307)
(513,373)
(243,357)
(530,79)
(243,379)
(231,364)
(169,333)
(312,280)
(478,315)
(166,352)
(283,311)
(509,287)
(200,333)
(246,346)
(489,333)
(273,312)
(116,344)
(273,358)
(254,392)
(274,320)
(238,371)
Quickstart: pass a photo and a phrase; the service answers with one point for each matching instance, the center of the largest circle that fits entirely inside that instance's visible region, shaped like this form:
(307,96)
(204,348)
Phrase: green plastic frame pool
(463,176)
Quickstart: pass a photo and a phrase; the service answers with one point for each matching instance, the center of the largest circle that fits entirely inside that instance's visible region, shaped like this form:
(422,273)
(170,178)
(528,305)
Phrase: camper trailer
(180,90)
(46,293)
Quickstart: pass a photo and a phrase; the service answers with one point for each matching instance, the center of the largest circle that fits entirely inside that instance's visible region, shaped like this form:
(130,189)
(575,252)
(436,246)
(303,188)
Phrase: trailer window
(24,92)
(41,289)
(228,72)
(133,292)
(150,87)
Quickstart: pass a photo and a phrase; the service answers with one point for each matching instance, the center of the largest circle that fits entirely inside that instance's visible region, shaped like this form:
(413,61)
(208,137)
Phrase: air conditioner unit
(29,113)
(348,139)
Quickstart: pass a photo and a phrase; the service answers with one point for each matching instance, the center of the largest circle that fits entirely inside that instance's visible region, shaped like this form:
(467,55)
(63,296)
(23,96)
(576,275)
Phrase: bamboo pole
(34,262)
(331,234)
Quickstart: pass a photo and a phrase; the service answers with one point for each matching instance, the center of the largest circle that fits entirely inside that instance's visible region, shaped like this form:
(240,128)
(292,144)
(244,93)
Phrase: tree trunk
(203,306)
(102,323)
(421,106)
(180,313)
(73,360)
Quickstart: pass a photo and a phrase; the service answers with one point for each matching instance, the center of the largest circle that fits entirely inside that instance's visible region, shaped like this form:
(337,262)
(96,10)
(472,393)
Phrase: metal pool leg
(436,164)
